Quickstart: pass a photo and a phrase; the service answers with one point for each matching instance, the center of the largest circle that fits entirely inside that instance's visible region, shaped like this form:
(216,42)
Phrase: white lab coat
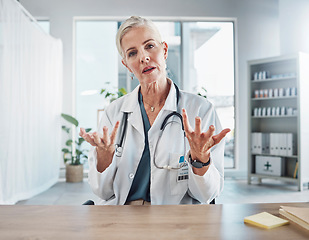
(113,185)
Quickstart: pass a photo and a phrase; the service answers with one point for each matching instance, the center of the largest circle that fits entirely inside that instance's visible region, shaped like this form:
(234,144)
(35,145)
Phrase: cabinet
(279,103)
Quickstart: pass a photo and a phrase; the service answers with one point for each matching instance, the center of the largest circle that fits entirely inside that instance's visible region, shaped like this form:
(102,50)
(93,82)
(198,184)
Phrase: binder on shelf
(282,139)
(290,142)
(282,144)
(256,143)
(253,143)
(272,143)
(265,143)
(259,143)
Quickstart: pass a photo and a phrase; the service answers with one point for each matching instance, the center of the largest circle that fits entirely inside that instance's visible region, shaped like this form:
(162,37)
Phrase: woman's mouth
(148,69)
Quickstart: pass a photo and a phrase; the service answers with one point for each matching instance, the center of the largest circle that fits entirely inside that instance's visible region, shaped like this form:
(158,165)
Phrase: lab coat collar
(171,100)
(131,101)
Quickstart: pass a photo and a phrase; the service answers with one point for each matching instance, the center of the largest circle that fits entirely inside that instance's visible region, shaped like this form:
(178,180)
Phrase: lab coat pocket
(178,178)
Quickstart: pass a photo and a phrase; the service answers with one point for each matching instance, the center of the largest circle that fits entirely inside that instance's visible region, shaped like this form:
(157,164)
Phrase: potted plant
(73,157)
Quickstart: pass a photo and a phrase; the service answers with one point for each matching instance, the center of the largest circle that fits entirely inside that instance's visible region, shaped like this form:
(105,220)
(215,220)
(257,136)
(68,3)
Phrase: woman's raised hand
(105,145)
(103,142)
(201,142)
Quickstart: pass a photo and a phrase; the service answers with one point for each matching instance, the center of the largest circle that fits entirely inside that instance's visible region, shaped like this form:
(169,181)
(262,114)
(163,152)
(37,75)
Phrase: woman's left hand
(201,142)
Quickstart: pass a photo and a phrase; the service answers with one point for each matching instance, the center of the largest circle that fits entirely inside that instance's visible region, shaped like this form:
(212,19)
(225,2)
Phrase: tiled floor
(235,191)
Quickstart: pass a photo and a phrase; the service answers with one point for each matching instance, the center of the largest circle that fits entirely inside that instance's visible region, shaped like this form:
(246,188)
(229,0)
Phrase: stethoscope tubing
(119,147)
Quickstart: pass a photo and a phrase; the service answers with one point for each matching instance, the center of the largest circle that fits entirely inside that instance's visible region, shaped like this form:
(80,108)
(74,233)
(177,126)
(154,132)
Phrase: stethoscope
(119,146)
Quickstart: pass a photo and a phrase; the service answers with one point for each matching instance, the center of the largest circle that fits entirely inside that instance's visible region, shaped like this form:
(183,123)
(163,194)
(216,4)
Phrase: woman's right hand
(105,145)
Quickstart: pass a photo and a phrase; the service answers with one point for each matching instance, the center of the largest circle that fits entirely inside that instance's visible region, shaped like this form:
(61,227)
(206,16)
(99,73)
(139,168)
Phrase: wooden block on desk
(265,220)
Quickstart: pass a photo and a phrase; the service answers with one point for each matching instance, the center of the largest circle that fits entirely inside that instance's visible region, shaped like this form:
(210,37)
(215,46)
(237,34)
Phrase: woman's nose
(145,58)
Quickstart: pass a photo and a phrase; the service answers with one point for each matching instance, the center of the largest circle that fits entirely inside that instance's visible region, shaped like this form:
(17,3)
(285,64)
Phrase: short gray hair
(133,22)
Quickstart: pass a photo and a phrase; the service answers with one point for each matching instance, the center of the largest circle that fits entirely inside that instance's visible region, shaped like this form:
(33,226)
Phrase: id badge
(183,173)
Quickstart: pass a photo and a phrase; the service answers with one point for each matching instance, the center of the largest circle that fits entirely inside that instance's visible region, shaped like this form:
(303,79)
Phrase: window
(208,55)
(201,57)
(44,24)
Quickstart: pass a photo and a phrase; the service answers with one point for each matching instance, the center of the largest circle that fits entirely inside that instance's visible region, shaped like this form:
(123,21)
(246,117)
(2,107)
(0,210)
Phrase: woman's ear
(125,64)
(165,49)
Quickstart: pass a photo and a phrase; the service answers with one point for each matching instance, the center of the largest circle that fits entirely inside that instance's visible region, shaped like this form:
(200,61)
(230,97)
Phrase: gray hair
(133,22)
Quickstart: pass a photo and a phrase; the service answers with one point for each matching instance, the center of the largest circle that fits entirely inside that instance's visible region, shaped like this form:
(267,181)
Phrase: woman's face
(144,55)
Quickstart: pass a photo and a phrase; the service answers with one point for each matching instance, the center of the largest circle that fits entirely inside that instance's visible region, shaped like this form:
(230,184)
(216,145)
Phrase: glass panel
(124,76)
(44,24)
(208,55)
(170,33)
(96,65)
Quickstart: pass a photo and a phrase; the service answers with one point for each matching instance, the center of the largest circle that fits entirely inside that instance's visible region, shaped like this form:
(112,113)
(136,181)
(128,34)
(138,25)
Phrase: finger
(187,127)
(114,132)
(89,139)
(197,129)
(209,132)
(106,138)
(217,138)
(97,139)
(82,132)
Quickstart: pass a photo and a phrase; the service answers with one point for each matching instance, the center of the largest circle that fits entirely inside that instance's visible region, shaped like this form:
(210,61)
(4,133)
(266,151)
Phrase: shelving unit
(282,72)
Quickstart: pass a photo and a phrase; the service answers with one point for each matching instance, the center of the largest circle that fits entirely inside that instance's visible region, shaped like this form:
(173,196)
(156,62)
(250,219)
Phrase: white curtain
(30,107)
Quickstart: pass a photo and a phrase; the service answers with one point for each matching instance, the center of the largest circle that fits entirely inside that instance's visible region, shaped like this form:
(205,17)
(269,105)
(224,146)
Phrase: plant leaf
(78,152)
(70,119)
(121,92)
(69,142)
(66,129)
(113,99)
(108,94)
(80,141)
(87,130)
(65,150)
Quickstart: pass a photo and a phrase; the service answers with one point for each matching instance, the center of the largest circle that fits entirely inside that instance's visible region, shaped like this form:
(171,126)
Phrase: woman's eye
(149,46)
(131,54)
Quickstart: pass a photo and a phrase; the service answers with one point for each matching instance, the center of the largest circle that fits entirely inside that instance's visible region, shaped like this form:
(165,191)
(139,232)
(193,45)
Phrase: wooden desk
(142,222)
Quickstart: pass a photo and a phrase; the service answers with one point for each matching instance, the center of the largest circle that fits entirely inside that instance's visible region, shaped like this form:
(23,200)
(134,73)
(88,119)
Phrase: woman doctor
(155,166)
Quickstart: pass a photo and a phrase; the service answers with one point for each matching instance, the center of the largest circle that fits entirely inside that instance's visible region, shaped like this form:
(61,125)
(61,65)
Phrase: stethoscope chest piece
(118,151)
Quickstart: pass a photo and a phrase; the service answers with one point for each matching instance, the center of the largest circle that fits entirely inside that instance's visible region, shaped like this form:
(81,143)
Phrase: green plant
(204,94)
(113,95)
(80,155)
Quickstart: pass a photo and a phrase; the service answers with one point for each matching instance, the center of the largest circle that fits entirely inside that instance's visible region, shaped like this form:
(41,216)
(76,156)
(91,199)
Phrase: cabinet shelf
(286,156)
(281,178)
(287,72)
(273,79)
(273,98)
(270,117)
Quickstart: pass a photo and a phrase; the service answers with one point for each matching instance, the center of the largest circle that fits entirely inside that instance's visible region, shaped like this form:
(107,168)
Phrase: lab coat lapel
(135,119)
(132,107)
(171,100)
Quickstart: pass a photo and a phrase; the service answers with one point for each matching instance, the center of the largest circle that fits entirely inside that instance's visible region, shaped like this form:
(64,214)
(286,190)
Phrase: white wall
(257,35)
(294,22)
